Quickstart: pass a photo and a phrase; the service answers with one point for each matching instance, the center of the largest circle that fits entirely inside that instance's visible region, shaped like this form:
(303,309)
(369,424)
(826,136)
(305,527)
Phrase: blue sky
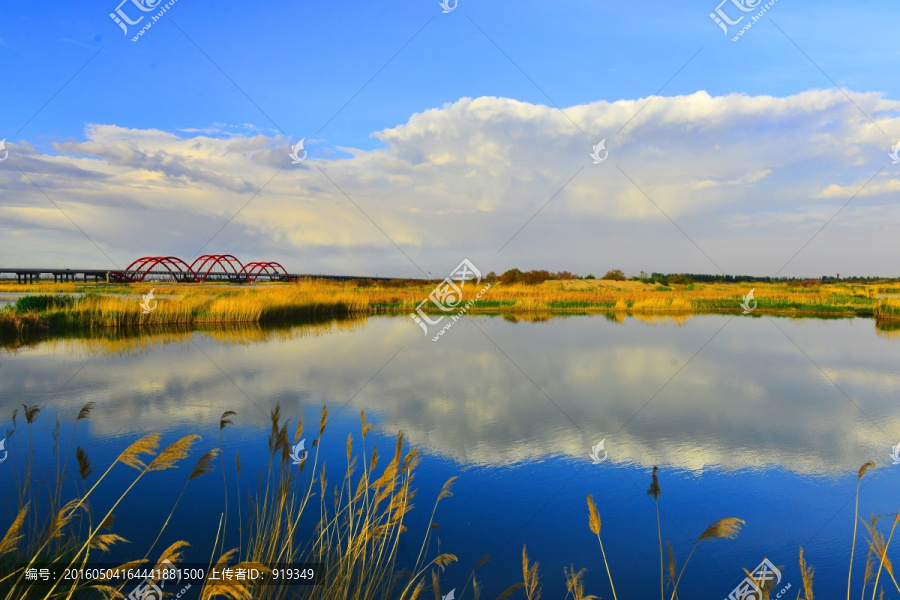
(291,70)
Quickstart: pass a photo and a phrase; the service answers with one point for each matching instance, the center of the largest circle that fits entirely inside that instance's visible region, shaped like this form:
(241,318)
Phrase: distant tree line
(753,279)
(538,276)
(532,277)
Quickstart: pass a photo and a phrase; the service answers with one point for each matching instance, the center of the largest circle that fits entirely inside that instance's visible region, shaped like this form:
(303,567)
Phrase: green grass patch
(44,303)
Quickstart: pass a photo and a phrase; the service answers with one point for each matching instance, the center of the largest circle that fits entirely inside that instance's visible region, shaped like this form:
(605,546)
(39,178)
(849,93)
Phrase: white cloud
(463,178)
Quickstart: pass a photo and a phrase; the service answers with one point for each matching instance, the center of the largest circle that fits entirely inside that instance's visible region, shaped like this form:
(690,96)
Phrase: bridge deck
(32,275)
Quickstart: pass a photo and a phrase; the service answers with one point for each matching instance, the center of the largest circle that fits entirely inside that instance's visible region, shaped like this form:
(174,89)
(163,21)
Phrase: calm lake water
(765,419)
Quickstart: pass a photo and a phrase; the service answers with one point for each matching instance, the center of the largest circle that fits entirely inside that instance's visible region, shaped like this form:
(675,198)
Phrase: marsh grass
(188,305)
(888,309)
(67,535)
(118,306)
(358,521)
(352,526)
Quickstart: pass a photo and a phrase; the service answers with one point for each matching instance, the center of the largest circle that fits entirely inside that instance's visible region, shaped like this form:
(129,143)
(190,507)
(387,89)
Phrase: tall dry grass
(195,304)
(360,519)
(66,535)
(358,522)
(352,526)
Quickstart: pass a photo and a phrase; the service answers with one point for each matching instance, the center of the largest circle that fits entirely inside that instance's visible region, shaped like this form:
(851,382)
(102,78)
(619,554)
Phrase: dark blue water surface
(765,419)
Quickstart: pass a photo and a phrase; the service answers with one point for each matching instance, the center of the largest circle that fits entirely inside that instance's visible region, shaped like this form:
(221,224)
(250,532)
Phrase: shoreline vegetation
(55,522)
(57,308)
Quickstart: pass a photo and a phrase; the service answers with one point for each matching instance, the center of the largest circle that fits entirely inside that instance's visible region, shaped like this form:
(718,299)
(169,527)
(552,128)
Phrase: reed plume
(31,413)
(14,534)
(224,420)
(148,444)
(880,549)
(594,525)
(859,476)
(104,541)
(806,575)
(85,411)
(671,564)
(727,528)
(530,578)
(178,450)
(84,465)
(575,584)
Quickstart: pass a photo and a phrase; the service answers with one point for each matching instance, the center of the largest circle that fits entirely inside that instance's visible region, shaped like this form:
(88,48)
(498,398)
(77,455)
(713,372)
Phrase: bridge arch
(179,270)
(230,266)
(271,270)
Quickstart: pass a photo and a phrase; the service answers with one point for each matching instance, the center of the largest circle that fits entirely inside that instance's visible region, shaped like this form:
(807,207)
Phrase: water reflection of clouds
(749,399)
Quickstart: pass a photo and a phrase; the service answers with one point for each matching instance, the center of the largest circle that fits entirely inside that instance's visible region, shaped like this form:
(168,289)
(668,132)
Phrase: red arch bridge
(209,267)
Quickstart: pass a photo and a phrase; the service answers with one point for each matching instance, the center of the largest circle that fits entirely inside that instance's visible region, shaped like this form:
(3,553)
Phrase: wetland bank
(57,308)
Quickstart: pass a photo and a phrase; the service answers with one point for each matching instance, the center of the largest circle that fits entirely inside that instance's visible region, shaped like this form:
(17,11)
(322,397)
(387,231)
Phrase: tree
(615,275)
(511,276)
(564,275)
(535,277)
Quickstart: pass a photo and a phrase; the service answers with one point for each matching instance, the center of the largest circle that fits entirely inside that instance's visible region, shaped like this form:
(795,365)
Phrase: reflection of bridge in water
(209,267)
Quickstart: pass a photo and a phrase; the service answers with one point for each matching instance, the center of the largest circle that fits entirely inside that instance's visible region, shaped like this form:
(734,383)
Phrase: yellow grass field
(119,306)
